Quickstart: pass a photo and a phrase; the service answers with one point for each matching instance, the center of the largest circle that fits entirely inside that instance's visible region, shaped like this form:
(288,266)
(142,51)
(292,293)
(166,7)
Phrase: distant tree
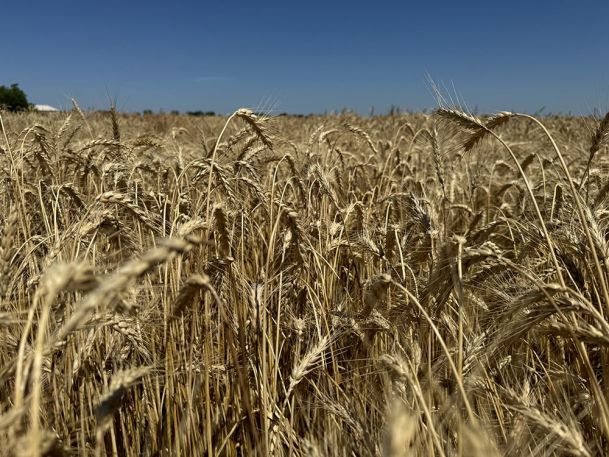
(147,112)
(201,113)
(13,98)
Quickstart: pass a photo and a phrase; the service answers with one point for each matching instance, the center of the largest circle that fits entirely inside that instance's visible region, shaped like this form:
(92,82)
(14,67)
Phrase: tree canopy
(13,98)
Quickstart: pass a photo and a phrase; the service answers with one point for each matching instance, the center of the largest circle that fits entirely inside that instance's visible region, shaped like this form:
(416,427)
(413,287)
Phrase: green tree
(13,98)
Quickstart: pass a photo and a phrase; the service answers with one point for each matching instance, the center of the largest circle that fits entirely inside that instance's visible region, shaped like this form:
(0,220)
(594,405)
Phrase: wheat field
(414,284)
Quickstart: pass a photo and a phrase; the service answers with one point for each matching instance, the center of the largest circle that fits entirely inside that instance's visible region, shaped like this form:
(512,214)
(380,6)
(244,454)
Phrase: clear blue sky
(308,56)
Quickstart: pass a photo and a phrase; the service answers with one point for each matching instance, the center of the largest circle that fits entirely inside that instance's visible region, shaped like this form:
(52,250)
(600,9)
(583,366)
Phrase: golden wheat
(337,285)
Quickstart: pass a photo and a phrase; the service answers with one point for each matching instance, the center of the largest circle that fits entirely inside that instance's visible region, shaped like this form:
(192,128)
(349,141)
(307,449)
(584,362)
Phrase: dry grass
(406,285)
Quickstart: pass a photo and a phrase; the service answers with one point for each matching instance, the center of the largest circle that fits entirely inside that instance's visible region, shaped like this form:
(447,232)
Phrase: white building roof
(45,108)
